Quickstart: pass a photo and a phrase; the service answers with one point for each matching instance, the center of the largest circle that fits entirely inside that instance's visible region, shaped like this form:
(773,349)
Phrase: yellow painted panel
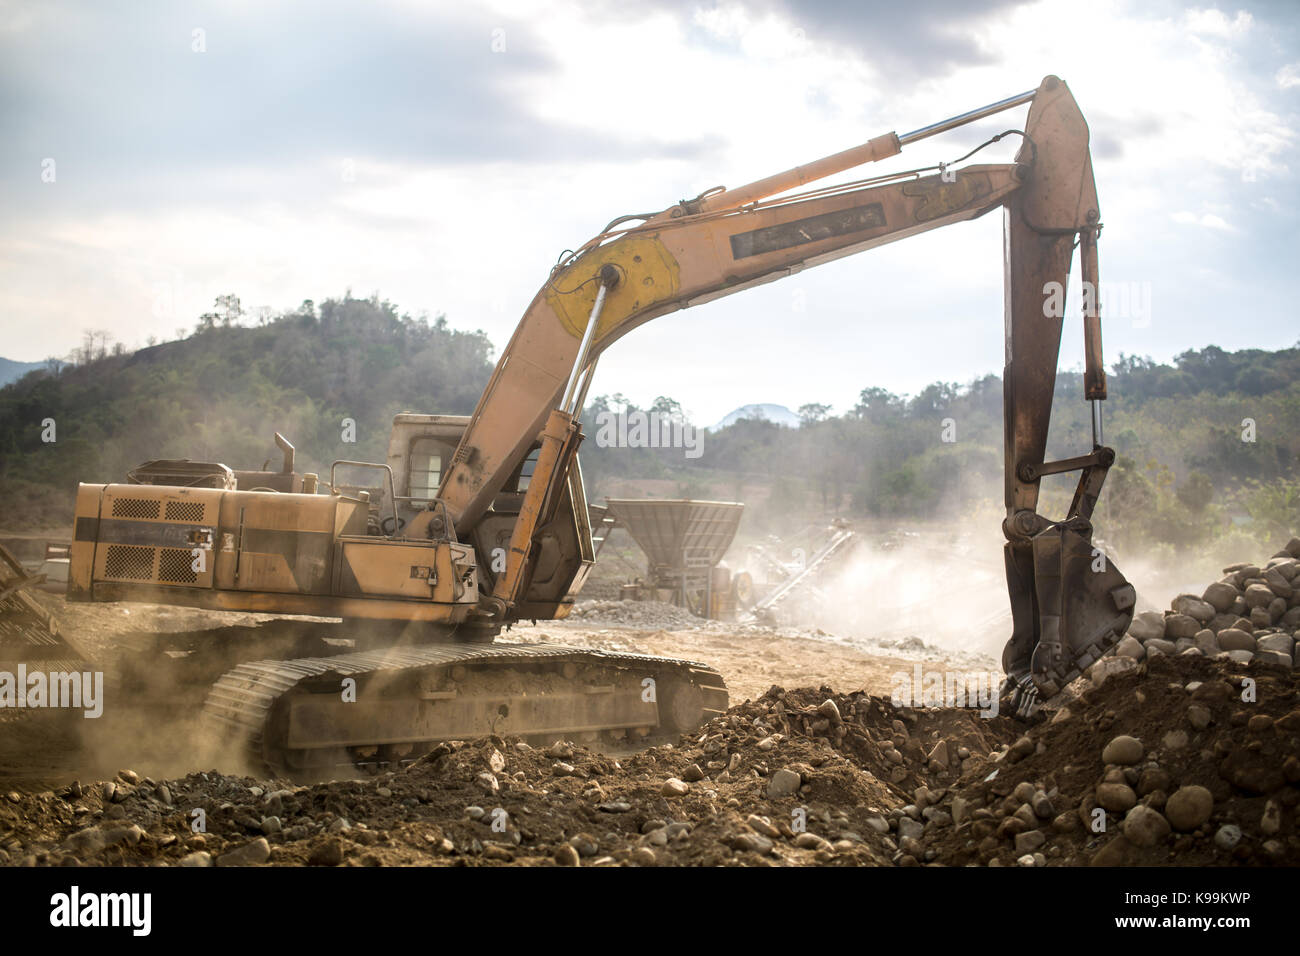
(648,273)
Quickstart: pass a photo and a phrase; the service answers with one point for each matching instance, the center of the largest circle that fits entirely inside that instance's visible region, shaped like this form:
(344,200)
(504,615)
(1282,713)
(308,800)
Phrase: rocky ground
(1178,756)
(1182,760)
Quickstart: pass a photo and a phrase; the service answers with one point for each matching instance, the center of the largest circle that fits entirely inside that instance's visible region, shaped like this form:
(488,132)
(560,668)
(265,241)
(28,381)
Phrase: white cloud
(1183,110)
(1209,220)
(1214,22)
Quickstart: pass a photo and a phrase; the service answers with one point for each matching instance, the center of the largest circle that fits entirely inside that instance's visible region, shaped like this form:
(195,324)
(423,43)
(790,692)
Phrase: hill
(777,414)
(12,371)
(221,393)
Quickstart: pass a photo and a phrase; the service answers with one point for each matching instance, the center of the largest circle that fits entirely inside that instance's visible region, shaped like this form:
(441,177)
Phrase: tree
(875,403)
(229,309)
(1196,493)
(1128,364)
(1274,507)
(813,412)
(934,399)
(668,408)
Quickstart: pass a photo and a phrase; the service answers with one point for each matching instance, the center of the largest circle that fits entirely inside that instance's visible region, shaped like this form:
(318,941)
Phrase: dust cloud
(947,592)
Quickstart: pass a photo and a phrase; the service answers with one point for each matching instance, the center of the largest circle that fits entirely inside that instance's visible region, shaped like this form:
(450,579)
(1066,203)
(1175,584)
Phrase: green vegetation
(1205,446)
(221,393)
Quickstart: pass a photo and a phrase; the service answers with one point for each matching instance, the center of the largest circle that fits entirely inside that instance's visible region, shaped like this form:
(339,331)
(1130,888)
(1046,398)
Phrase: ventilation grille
(176,565)
(129,562)
(184,511)
(135,508)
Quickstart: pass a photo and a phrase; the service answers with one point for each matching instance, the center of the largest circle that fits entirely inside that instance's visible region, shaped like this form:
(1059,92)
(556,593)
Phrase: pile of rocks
(1251,614)
(1185,760)
(650,614)
(800,777)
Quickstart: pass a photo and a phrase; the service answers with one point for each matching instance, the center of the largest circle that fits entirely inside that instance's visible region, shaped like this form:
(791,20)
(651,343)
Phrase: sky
(155,155)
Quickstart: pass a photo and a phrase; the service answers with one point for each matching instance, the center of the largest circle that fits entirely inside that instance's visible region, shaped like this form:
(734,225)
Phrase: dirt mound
(1211,775)
(794,777)
(1183,761)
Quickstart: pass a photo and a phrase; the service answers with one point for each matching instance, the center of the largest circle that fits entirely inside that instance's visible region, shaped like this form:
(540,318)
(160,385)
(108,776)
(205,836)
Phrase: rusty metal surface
(28,633)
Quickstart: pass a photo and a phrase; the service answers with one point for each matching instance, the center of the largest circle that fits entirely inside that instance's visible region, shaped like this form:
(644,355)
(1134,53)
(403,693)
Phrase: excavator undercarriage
(318,715)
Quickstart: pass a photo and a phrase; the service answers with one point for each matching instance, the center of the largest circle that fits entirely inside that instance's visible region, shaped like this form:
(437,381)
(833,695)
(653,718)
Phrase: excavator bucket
(1079,606)
(29,637)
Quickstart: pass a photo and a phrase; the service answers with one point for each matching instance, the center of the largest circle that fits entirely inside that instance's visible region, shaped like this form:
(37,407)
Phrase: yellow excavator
(479,522)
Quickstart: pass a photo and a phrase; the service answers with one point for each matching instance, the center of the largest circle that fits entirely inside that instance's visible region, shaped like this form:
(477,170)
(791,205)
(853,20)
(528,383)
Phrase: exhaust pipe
(287,448)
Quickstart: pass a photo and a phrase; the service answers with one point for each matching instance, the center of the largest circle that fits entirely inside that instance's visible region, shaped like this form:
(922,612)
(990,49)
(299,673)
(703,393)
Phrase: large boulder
(1184,625)
(1123,750)
(1222,621)
(1130,647)
(1220,596)
(1147,625)
(1276,642)
(1206,642)
(1158,645)
(1234,639)
(1259,595)
(1194,607)
(1243,572)
(1278,584)
(1144,826)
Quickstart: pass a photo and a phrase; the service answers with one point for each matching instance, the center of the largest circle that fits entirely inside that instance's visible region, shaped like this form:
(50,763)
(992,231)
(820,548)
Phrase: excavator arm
(1069,604)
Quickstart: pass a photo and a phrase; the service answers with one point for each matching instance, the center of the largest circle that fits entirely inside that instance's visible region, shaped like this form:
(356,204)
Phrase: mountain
(11,371)
(329,378)
(777,414)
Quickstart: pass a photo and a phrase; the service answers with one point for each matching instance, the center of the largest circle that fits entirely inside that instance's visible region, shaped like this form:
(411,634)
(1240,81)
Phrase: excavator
(481,521)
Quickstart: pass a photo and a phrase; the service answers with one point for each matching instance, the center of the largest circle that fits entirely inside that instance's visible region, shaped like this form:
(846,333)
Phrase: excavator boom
(728,240)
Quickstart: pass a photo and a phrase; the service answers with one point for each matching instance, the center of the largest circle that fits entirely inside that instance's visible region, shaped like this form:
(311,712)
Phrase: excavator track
(314,716)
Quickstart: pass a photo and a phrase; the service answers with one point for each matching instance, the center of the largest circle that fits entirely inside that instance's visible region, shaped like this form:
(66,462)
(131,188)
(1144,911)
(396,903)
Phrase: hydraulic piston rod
(961,119)
(882,147)
(608,278)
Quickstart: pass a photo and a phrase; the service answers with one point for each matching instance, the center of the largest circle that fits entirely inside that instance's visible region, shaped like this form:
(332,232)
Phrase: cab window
(526,470)
(426,469)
